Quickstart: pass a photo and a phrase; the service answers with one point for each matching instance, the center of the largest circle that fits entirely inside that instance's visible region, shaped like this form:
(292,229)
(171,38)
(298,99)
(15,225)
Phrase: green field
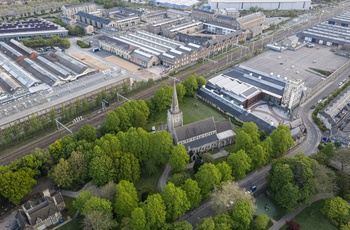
(312,219)
(193,110)
(69,205)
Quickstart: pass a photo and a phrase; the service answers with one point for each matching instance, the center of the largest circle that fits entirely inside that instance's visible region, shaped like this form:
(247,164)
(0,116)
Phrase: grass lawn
(230,148)
(148,183)
(72,225)
(193,110)
(69,205)
(219,160)
(312,219)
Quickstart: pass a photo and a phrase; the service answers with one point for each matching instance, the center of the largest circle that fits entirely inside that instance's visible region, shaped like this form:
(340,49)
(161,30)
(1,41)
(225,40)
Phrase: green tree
(240,163)
(175,200)
(181,92)
(225,170)
(101,170)
(127,166)
(261,222)
(282,140)
(111,123)
(208,177)
(15,185)
(126,199)
(243,141)
(258,155)
(124,119)
(162,98)
(183,225)
(88,133)
(62,175)
(155,211)
(81,199)
(179,158)
(206,224)
(97,204)
(242,213)
(108,191)
(138,219)
(34,123)
(191,85)
(79,167)
(343,157)
(193,192)
(223,222)
(336,208)
(201,81)
(253,131)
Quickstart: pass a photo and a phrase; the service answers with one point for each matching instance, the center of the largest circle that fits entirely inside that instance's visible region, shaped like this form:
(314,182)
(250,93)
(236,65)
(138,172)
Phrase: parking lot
(296,64)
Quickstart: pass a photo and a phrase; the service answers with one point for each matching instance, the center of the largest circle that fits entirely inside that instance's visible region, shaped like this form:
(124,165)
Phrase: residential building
(185,28)
(42,213)
(157,27)
(251,21)
(265,5)
(172,13)
(153,16)
(201,136)
(67,21)
(71,10)
(218,28)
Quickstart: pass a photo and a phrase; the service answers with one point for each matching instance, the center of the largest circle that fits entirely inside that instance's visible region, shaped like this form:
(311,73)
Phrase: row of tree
(52,41)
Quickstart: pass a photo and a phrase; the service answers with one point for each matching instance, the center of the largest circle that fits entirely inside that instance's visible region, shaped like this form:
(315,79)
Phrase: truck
(96,50)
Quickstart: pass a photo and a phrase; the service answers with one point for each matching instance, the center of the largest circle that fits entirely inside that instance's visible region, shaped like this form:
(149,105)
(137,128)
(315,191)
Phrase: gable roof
(93,17)
(195,129)
(222,126)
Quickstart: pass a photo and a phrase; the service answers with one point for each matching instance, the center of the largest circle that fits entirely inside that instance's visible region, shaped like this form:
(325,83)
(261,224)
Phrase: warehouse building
(17,72)
(184,28)
(53,68)
(95,21)
(265,5)
(172,13)
(343,19)
(155,49)
(71,10)
(8,86)
(30,29)
(326,34)
(158,27)
(71,63)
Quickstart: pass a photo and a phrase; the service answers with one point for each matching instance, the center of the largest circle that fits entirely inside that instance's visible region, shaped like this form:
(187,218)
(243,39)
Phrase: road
(308,146)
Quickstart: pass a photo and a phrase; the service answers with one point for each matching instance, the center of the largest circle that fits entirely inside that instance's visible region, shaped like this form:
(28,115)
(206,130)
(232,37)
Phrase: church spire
(175,104)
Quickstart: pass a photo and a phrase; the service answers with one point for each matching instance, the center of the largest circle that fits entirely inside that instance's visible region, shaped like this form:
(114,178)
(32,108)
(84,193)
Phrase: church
(201,136)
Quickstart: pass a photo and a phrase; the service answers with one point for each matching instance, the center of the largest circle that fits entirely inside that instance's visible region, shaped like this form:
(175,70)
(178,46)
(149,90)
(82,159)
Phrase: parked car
(252,189)
(313,106)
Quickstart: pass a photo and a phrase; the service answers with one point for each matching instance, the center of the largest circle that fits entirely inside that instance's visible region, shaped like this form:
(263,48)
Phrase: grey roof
(139,13)
(180,12)
(38,71)
(140,56)
(225,17)
(52,67)
(200,142)
(222,126)
(250,17)
(195,129)
(74,64)
(191,39)
(203,11)
(93,17)
(228,26)
(234,110)
(117,43)
(81,24)
(251,76)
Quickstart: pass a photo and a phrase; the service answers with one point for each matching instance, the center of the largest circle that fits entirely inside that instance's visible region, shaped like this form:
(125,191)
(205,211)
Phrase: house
(42,213)
(200,136)
(95,21)
(71,10)
(88,29)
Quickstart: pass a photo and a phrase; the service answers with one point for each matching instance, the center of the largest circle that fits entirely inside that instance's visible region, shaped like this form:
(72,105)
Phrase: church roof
(200,142)
(195,129)
(175,103)
(222,126)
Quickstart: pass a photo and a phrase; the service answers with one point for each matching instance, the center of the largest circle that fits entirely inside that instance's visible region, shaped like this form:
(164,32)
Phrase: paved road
(308,146)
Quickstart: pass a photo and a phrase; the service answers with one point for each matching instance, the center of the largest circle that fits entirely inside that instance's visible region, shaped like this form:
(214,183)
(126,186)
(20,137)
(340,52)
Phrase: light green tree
(207,177)
(155,211)
(80,201)
(206,224)
(193,192)
(225,170)
(126,199)
(175,200)
(242,213)
(97,204)
(179,158)
(335,208)
(240,163)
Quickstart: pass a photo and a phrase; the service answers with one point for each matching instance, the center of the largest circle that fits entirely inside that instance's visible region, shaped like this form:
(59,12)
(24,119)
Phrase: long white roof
(255,1)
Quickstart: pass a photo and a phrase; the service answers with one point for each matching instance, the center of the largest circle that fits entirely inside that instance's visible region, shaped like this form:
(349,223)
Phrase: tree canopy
(208,177)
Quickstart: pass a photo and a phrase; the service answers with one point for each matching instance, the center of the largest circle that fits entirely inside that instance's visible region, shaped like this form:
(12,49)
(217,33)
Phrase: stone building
(71,10)
(200,136)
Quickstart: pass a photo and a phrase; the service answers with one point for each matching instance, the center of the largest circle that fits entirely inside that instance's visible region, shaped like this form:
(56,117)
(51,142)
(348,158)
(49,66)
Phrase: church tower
(174,118)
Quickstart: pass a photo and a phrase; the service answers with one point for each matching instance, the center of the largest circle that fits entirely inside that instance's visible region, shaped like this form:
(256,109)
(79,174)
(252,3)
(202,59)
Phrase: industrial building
(157,27)
(172,13)
(218,28)
(153,16)
(213,16)
(30,29)
(180,4)
(71,10)
(326,34)
(152,48)
(107,13)
(95,21)
(265,5)
(184,28)
(343,19)
(244,86)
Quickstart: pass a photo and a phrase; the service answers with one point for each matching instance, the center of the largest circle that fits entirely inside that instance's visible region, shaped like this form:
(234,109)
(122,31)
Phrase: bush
(83,44)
